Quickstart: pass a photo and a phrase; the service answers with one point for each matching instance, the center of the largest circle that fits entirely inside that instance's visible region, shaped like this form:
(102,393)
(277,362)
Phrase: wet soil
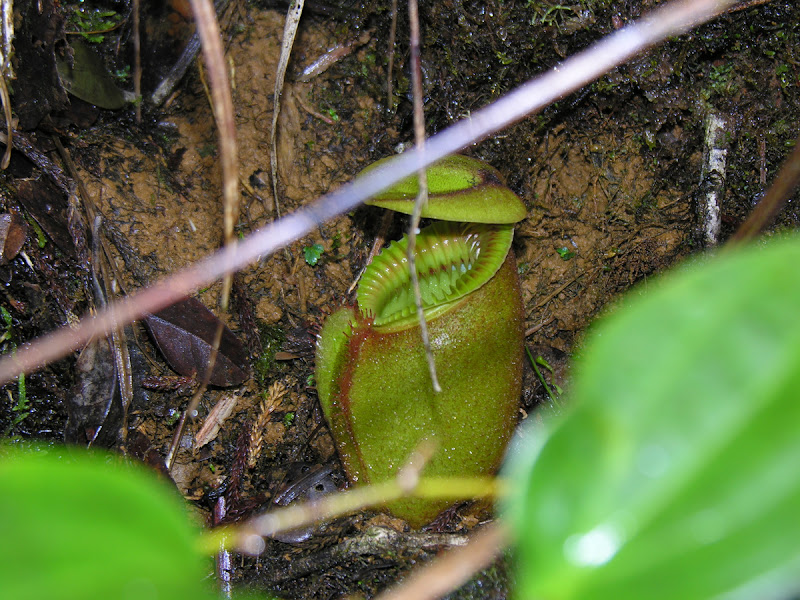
(612,177)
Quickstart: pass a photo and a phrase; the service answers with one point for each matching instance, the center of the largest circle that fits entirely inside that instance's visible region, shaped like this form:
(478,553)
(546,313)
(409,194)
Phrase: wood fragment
(715,154)
(332,56)
(215,419)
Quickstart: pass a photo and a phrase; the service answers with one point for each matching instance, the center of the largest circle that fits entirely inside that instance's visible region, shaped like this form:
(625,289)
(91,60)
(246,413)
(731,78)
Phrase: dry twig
(289,31)
(208,29)
(422,196)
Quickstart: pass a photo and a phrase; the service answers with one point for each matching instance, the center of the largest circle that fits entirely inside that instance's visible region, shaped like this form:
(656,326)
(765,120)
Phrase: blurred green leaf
(676,474)
(81,526)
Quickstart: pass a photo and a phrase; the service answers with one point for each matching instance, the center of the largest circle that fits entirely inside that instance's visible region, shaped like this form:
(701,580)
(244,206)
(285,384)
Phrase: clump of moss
(272,338)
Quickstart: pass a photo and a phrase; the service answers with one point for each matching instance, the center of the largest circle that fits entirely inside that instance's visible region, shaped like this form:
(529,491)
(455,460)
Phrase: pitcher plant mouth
(452,260)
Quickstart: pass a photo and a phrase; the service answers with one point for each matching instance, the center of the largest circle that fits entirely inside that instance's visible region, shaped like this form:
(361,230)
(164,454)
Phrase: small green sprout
(565,253)
(504,58)
(539,361)
(6,316)
(22,408)
(552,16)
(122,74)
(288,419)
(92,24)
(41,238)
(7,334)
(336,242)
(173,417)
(312,253)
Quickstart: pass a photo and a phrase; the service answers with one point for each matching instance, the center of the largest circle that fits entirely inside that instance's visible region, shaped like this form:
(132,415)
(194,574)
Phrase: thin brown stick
(375,541)
(137,62)
(23,144)
(531,330)
(190,412)
(102,260)
(747,4)
(390,67)
(119,340)
(422,196)
(5,100)
(208,28)
(773,201)
(332,56)
(556,292)
(248,536)
(289,32)
(6,72)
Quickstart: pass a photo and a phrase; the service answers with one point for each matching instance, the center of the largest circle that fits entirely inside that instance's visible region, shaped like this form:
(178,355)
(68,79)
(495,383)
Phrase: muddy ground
(612,177)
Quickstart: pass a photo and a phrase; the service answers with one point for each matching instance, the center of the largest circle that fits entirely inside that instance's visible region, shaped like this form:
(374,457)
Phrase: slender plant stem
(390,66)
(422,195)
(137,61)
(208,28)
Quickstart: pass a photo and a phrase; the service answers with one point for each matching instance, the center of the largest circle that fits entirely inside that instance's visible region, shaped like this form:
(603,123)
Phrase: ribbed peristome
(452,260)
